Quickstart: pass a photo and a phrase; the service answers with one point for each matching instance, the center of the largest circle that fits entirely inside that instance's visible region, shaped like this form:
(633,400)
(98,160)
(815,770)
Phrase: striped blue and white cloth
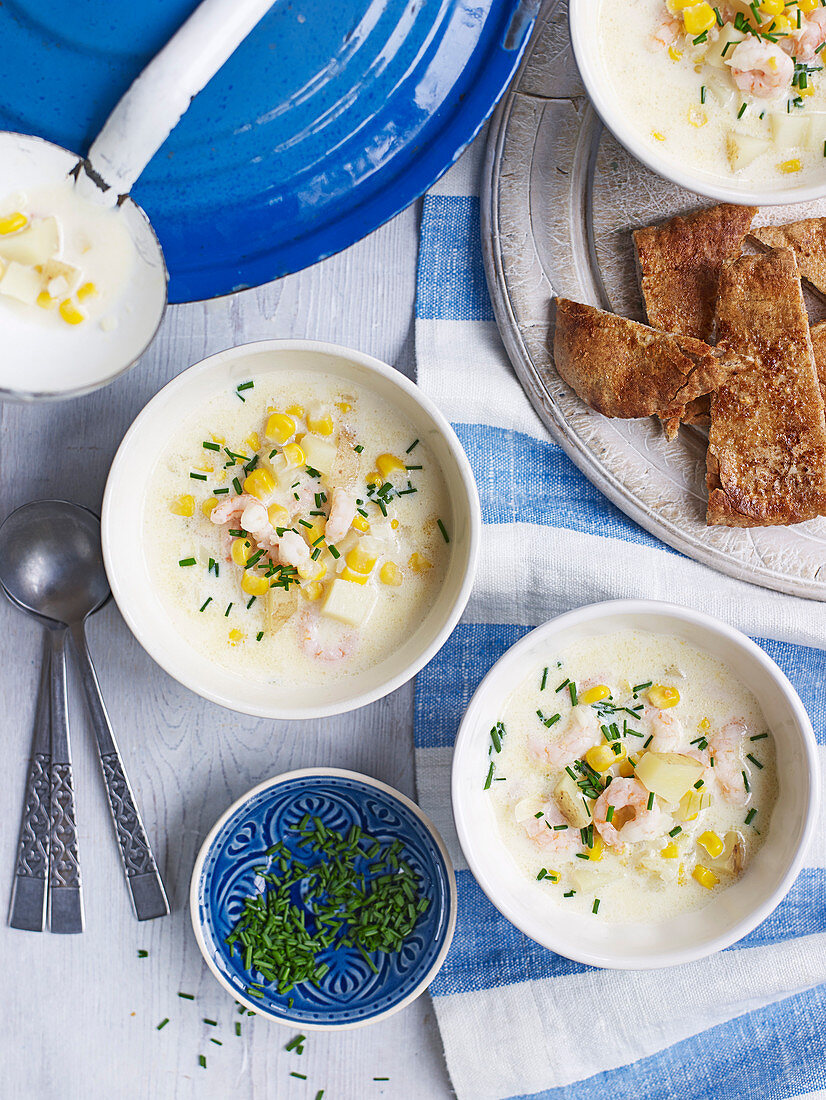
(516,1019)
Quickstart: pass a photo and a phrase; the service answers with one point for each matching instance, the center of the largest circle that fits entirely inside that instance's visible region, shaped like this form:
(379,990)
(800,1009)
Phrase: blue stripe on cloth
(488,951)
(445,685)
(530,480)
(768,1054)
(450,284)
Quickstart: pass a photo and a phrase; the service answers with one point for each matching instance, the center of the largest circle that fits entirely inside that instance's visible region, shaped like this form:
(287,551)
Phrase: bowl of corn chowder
(634,785)
(724,99)
(291,529)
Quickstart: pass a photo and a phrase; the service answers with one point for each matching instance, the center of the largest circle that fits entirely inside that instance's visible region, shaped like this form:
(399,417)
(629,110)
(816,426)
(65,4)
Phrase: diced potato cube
(789,130)
(57,269)
(568,797)
(281,605)
(742,149)
(20,282)
(318,453)
(35,244)
(349,603)
(714,54)
(670,775)
(692,803)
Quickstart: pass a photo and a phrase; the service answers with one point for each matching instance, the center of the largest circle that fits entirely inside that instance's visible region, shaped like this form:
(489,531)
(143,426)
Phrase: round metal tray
(560,199)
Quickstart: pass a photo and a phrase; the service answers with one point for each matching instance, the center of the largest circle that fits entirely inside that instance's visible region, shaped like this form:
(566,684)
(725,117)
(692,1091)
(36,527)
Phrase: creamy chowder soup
(632,776)
(297,529)
(729,89)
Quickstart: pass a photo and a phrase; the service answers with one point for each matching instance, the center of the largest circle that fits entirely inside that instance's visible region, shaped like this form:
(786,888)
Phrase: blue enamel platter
(354,991)
(328,120)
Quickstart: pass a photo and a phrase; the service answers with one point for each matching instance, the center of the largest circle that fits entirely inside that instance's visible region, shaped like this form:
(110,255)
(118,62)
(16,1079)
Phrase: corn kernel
(789,166)
(205,467)
(349,574)
(663,697)
(344,406)
(295,410)
(697,117)
(254,584)
(209,504)
(241,551)
(311,570)
(675,55)
(657,135)
(312,591)
(389,464)
(391,574)
(704,724)
(260,483)
(45,300)
(236,636)
(553,876)
(595,853)
(280,427)
(418,563)
(808,90)
(594,694)
(183,506)
(313,533)
(278,516)
(374,478)
(712,843)
(807,6)
(253,442)
(603,757)
(293,455)
(781,24)
(670,851)
(698,18)
(87,290)
(773,7)
(704,877)
(218,439)
(679,5)
(70,313)
(360,560)
(681,874)
(394,524)
(360,524)
(321,425)
(626,769)
(12,223)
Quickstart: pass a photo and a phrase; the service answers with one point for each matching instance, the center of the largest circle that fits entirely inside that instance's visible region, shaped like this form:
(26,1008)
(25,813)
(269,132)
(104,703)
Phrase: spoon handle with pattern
(65,897)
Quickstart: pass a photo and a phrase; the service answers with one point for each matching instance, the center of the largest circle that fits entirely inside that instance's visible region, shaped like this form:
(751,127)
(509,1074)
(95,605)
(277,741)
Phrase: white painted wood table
(79,1014)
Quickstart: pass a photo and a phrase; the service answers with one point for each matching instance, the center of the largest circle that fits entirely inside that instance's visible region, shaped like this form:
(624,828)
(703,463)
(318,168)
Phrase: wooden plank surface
(78,1014)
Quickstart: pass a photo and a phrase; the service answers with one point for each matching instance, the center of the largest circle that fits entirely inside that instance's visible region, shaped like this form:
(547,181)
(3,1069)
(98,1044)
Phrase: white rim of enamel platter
(585,45)
(474,730)
(129,595)
(276,781)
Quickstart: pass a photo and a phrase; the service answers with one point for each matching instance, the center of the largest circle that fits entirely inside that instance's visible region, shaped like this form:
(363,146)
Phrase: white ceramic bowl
(123,534)
(610,109)
(731,913)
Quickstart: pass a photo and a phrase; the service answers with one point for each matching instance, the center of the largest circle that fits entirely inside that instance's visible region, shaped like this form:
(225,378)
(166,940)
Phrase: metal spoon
(51,566)
(137,127)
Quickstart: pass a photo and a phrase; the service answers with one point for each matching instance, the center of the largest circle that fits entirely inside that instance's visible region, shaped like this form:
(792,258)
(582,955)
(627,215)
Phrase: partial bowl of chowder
(723,99)
(291,529)
(635,784)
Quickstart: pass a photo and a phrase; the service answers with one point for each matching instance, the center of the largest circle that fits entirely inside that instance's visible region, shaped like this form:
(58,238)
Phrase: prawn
(667,731)
(231,508)
(810,36)
(342,514)
(579,735)
(760,68)
(726,748)
(541,829)
(666,34)
(312,646)
(631,821)
(292,549)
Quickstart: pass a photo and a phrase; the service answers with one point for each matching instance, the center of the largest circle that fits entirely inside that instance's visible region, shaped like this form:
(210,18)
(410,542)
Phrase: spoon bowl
(51,563)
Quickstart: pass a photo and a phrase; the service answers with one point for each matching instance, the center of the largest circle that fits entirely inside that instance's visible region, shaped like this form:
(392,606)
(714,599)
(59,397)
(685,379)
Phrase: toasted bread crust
(766,459)
(680,263)
(818,336)
(807,239)
(624,369)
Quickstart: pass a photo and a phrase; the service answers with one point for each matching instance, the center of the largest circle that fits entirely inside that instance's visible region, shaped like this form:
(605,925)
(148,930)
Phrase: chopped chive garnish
(703,94)
(718,17)
(541,874)
(641,687)
(198,477)
(494,736)
(412,445)
(218,492)
(569,894)
(414,467)
(236,484)
(751,815)
(746,782)
(698,784)
(245,386)
(259,635)
(742,110)
(250,602)
(758,737)
(211,446)
(609,816)
(358,448)
(572,693)
(700,38)
(187,996)
(186,561)
(645,744)
(677,829)
(226,613)
(559,828)
(441,527)
(650,801)
(563,685)
(217,1042)
(754,760)
(595,907)
(334,551)
(544,679)
(489,779)
(163,1023)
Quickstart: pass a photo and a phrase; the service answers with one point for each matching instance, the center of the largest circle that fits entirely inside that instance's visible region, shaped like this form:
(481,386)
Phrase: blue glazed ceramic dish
(350,994)
(329,119)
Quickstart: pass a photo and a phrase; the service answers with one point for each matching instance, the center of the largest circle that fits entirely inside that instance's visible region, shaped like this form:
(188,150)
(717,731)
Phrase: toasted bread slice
(807,239)
(624,369)
(766,459)
(679,263)
(818,335)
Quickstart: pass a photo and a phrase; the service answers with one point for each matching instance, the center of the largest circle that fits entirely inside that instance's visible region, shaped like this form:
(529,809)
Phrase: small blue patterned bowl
(350,994)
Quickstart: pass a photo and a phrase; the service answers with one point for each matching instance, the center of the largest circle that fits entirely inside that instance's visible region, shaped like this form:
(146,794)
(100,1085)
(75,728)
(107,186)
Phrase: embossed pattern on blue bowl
(350,992)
